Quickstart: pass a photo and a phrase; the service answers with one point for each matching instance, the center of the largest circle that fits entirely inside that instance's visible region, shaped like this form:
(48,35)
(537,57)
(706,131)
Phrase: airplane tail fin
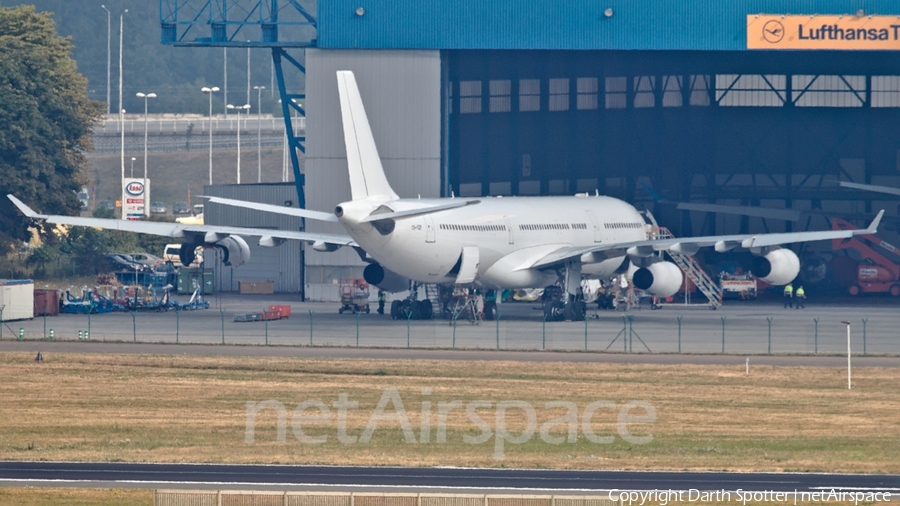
(367,177)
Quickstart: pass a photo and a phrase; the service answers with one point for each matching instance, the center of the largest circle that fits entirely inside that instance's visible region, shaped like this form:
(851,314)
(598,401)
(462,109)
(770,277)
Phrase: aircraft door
(509,227)
(595,224)
(429,229)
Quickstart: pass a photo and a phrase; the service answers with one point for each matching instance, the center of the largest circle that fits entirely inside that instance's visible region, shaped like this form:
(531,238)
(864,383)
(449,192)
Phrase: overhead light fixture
(360,11)
(608,12)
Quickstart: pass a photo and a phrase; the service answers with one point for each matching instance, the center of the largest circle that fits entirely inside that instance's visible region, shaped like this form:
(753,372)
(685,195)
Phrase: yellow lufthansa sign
(823,32)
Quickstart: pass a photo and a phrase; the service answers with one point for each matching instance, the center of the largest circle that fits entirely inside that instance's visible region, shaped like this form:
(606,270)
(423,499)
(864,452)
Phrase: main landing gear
(566,303)
(412,309)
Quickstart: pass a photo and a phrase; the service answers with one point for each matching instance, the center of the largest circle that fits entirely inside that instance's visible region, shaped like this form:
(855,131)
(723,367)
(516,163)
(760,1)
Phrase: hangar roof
(707,25)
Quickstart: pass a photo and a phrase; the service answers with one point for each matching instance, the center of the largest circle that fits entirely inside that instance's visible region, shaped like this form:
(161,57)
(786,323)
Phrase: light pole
(132,167)
(238,109)
(108,41)
(258,133)
(146,96)
(210,91)
(121,110)
(248,75)
(848,353)
(225,79)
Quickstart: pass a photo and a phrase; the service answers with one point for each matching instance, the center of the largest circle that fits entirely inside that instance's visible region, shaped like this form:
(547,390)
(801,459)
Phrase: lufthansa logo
(773,32)
(135,189)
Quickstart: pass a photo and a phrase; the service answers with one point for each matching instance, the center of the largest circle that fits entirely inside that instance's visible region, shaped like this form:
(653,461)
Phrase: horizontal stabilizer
(419,211)
(269,208)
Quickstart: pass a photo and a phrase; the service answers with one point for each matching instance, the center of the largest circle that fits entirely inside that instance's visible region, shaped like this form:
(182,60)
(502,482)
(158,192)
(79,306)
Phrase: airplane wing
(179,230)
(289,211)
(871,188)
(690,245)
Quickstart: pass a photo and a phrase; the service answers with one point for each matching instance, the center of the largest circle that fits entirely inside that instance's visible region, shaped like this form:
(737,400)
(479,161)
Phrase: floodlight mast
(210,92)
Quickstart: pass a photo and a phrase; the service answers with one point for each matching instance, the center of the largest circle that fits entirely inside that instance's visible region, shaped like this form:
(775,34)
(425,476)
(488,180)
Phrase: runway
(275,477)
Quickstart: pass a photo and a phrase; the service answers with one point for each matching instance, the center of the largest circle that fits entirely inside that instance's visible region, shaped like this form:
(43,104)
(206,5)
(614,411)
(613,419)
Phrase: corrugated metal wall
(401,91)
(551,24)
(282,264)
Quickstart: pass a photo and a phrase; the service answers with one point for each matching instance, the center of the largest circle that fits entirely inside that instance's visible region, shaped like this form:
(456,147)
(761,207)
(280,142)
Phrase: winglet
(873,227)
(27,211)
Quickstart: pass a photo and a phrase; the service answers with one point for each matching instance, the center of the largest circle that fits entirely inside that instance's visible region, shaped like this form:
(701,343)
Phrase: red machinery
(876,273)
(354,295)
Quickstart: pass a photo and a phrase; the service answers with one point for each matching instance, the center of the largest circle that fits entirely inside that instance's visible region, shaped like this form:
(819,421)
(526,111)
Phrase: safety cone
(39,357)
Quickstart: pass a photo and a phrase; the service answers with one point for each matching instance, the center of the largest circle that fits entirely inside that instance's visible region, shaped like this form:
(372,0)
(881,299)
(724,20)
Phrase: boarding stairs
(433,293)
(688,264)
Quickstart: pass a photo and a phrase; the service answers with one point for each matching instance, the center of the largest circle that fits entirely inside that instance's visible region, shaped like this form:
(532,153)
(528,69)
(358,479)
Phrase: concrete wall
(401,91)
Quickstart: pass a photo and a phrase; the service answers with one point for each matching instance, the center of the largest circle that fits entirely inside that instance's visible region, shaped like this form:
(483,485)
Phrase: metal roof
(553,24)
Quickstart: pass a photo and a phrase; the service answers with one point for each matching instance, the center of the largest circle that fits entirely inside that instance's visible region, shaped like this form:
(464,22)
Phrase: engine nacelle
(388,281)
(778,267)
(661,279)
(235,251)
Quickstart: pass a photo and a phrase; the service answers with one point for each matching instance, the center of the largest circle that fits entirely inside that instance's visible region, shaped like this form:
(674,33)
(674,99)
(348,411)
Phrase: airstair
(693,271)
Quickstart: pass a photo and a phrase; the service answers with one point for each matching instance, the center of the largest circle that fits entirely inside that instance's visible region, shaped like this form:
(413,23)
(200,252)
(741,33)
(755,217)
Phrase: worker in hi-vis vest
(788,295)
(801,297)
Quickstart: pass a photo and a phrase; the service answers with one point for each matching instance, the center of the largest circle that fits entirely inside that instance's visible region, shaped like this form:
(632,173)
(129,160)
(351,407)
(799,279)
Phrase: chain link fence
(518,327)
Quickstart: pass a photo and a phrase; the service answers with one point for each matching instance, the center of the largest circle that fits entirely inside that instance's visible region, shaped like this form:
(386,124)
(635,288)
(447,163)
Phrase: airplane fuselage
(509,232)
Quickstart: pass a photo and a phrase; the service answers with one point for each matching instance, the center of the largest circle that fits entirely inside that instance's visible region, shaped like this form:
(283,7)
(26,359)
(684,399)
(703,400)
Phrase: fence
(263,498)
(665,331)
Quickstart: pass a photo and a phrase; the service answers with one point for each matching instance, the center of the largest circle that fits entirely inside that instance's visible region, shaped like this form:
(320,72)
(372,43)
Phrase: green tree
(45,120)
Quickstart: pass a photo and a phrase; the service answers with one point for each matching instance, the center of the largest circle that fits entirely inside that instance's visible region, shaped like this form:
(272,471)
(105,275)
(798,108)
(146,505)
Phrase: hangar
(692,101)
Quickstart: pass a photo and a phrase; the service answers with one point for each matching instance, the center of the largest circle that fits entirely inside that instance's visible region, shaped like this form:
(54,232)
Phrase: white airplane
(514,242)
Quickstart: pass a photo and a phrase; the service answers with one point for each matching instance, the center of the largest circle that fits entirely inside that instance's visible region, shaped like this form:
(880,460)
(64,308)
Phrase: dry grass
(174,408)
(30,496)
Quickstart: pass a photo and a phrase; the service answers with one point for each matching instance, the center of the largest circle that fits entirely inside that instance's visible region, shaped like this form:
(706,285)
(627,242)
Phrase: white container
(16,299)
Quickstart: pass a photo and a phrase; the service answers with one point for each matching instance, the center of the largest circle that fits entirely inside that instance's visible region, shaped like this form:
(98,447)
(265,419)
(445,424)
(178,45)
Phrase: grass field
(28,496)
(176,408)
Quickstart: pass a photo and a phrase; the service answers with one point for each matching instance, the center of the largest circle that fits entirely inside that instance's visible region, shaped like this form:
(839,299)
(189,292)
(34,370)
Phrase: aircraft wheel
(425,310)
(395,310)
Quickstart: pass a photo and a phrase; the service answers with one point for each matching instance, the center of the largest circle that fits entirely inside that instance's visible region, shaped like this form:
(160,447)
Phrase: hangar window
(500,100)
(587,93)
(644,87)
(699,90)
(671,87)
(736,90)
(529,95)
(559,94)
(616,92)
(469,97)
(885,91)
(829,91)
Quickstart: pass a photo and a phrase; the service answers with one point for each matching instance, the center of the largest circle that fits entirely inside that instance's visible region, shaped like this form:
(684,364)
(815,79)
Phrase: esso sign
(135,189)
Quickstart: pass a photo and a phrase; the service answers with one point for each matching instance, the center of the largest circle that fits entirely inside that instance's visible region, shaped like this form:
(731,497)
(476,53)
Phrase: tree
(45,120)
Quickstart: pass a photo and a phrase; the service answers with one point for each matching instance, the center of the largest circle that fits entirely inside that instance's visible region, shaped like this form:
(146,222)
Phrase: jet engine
(387,280)
(661,279)
(235,251)
(777,267)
